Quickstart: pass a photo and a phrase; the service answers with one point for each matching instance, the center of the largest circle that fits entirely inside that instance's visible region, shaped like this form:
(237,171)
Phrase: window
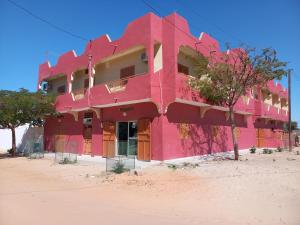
(127,72)
(87,125)
(61,89)
(183,69)
(86,83)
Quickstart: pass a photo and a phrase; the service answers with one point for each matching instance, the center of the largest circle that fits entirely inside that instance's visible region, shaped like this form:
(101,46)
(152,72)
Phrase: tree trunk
(13,141)
(233,134)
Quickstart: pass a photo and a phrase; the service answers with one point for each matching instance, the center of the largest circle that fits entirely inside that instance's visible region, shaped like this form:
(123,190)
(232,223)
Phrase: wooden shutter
(260,137)
(127,72)
(87,146)
(86,83)
(59,143)
(144,140)
(183,69)
(109,136)
(61,89)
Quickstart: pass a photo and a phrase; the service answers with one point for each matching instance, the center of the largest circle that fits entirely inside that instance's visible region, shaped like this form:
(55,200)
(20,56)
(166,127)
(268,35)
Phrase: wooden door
(260,137)
(109,137)
(144,140)
(87,146)
(59,143)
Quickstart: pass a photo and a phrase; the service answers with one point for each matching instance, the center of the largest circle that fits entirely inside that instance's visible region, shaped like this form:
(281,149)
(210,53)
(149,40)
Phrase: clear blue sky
(24,40)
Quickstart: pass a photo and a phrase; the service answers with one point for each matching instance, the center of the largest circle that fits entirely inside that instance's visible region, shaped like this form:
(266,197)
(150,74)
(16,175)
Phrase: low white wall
(5,137)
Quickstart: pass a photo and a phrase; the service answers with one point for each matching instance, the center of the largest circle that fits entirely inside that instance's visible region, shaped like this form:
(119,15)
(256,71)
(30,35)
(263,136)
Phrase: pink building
(131,98)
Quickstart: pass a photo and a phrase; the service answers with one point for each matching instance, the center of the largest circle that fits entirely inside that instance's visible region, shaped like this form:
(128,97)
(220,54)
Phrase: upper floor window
(86,83)
(182,69)
(61,89)
(127,72)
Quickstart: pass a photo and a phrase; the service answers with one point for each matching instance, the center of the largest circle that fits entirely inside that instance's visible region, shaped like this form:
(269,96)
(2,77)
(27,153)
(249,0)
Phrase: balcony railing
(78,94)
(117,85)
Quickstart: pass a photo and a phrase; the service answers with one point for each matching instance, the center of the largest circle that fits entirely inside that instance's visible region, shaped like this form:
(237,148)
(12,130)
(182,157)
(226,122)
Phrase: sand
(259,189)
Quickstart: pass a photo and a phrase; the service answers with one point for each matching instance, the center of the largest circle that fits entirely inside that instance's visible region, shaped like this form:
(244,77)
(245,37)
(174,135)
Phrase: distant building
(133,98)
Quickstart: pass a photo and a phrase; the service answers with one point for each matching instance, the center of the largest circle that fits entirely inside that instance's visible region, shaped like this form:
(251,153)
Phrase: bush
(119,168)
(67,161)
(279,149)
(9,151)
(172,166)
(267,151)
(252,150)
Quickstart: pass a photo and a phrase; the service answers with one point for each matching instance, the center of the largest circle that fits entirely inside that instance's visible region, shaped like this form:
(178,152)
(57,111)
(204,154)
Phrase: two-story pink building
(132,98)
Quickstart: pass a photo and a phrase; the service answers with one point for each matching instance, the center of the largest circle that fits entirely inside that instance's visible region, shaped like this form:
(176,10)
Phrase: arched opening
(117,69)
(55,84)
(80,83)
(186,61)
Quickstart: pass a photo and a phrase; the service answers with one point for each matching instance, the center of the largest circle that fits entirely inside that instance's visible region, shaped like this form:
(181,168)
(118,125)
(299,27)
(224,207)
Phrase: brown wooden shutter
(260,137)
(127,72)
(87,146)
(59,143)
(183,69)
(109,136)
(86,83)
(61,89)
(144,140)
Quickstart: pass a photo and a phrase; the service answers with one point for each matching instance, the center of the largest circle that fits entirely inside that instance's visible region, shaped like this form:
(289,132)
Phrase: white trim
(124,103)
(201,35)
(108,37)
(200,104)
(145,100)
(74,53)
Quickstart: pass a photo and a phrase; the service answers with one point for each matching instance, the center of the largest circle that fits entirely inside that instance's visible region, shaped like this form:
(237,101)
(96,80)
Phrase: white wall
(5,137)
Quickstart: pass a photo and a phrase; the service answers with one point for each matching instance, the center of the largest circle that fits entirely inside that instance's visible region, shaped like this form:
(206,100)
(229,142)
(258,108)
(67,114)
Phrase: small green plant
(119,168)
(252,149)
(172,166)
(267,151)
(67,161)
(10,151)
(279,149)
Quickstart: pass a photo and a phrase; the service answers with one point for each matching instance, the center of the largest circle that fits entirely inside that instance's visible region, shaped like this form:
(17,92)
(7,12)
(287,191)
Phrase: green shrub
(67,161)
(279,149)
(172,166)
(252,149)
(267,151)
(119,168)
(9,151)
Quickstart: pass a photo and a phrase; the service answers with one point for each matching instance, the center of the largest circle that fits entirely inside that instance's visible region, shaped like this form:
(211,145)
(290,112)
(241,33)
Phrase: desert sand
(258,189)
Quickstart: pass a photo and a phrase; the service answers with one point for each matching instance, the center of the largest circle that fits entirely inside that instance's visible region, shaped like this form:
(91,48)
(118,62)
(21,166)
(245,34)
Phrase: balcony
(136,87)
(271,112)
(133,88)
(184,91)
(79,94)
(117,85)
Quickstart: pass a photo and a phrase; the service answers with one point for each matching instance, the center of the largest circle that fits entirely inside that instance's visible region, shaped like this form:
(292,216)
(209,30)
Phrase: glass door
(122,138)
(132,138)
(127,138)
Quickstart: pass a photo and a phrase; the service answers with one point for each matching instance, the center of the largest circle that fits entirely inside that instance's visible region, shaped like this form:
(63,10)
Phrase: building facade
(130,97)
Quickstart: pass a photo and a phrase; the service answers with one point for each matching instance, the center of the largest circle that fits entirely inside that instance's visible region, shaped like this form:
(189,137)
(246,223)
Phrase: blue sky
(24,40)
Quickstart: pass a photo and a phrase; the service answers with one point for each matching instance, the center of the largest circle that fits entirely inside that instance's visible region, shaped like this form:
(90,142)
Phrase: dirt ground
(258,189)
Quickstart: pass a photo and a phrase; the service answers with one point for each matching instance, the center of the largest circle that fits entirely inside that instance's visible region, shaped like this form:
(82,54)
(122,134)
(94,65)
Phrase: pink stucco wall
(159,92)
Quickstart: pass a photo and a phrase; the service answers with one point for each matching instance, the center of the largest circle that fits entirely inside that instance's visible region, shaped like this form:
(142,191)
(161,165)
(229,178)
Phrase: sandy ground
(258,189)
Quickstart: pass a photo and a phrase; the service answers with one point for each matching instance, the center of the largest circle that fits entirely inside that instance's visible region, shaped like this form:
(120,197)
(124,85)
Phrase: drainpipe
(161,94)
(90,73)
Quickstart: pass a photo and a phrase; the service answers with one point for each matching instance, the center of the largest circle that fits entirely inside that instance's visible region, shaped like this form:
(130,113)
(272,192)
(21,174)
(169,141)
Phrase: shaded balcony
(80,84)
(55,85)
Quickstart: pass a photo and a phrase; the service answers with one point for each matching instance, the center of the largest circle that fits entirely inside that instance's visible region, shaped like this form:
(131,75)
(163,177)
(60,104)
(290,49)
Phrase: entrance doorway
(127,138)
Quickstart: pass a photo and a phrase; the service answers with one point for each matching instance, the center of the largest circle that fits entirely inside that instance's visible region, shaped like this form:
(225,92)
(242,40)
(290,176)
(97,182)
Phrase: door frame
(117,135)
